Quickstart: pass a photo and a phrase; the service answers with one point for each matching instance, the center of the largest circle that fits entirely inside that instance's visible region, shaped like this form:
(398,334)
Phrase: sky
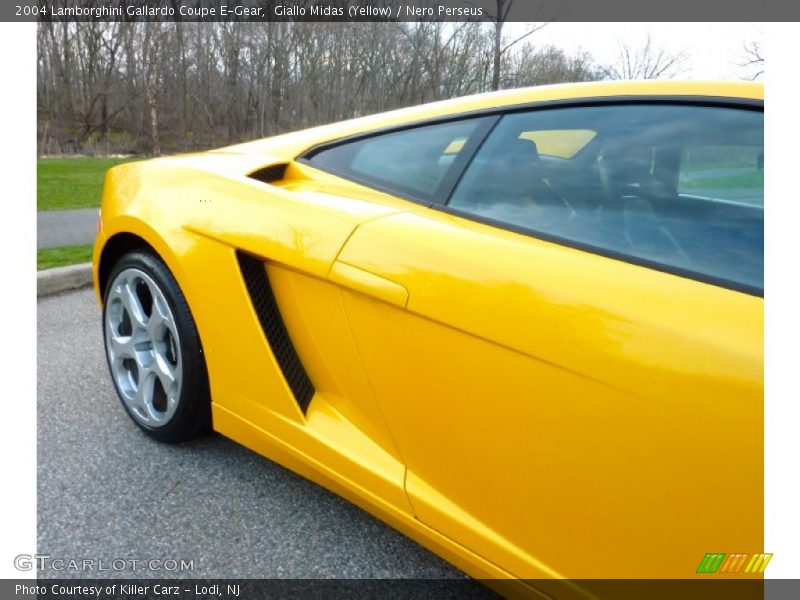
(713,48)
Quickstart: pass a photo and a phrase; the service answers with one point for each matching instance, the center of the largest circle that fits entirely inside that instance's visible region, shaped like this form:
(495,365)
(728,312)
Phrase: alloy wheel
(143,347)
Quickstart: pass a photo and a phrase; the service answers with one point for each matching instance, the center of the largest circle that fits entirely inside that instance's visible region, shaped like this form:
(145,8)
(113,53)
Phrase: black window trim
(440,201)
(497,112)
(463,159)
(723,101)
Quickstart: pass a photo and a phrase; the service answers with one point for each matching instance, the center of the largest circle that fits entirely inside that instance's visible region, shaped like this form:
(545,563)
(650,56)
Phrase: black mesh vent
(269,174)
(257,282)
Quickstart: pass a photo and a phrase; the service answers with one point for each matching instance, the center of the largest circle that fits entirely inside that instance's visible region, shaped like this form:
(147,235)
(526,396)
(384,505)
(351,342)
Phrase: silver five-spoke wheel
(143,346)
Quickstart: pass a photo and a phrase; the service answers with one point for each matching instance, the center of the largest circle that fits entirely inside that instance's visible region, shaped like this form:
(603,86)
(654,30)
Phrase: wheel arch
(114,249)
(130,234)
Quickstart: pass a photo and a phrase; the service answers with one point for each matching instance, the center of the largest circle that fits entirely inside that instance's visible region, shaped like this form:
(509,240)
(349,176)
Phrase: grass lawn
(63,183)
(744,179)
(48,258)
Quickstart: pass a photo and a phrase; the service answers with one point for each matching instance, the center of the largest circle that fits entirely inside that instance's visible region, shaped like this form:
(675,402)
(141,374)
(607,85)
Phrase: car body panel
(425,333)
(533,384)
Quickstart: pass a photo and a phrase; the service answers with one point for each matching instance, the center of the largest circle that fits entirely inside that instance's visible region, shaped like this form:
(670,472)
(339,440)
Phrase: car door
(569,353)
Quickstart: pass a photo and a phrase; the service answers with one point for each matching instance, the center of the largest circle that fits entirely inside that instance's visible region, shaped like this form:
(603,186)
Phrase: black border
(749,587)
(440,201)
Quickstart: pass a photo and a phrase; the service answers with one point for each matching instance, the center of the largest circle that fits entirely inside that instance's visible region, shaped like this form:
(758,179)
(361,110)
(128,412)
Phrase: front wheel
(153,350)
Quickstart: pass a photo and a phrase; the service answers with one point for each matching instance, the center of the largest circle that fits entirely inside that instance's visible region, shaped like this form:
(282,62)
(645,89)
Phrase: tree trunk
(498,48)
(152,83)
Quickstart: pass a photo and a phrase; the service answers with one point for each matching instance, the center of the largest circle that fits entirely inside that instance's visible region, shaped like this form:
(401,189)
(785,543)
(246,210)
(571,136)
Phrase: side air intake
(263,299)
(269,174)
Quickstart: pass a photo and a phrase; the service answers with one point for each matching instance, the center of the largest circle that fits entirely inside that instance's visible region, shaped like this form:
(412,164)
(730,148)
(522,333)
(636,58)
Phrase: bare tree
(152,87)
(645,61)
(753,60)
(501,45)
(545,65)
(151,51)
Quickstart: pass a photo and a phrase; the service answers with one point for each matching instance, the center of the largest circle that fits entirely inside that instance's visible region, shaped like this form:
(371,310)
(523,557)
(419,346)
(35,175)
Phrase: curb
(60,279)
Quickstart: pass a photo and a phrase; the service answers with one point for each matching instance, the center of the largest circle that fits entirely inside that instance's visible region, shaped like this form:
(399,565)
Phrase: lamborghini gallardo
(525,328)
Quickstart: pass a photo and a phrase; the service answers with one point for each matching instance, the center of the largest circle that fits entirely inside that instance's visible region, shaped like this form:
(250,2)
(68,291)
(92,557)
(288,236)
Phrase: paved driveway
(65,227)
(105,491)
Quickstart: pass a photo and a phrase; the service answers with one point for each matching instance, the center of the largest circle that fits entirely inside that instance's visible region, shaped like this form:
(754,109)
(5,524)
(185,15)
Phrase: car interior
(627,197)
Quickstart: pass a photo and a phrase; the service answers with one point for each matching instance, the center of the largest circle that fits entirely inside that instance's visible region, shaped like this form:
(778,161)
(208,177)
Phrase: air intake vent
(269,174)
(263,299)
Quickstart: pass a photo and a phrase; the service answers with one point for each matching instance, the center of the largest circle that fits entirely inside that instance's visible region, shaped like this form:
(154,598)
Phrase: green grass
(747,179)
(63,183)
(48,258)
(700,167)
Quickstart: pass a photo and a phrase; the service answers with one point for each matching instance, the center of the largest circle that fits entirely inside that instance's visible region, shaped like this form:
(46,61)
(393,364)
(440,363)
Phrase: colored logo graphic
(719,562)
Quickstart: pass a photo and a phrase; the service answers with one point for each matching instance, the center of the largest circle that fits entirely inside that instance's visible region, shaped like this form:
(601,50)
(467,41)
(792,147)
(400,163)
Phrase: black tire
(190,415)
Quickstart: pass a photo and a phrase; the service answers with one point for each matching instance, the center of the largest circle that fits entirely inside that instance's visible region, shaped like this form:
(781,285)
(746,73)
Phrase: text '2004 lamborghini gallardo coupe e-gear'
(518,326)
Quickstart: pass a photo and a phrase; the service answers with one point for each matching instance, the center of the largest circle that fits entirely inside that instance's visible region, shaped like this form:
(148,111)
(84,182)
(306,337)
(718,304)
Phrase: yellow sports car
(525,328)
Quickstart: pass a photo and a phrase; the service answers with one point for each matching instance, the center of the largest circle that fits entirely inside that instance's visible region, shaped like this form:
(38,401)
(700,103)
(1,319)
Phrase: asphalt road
(105,491)
(65,227)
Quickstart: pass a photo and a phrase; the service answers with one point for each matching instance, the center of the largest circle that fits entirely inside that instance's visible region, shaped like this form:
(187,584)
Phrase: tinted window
(412,162)
(681,186)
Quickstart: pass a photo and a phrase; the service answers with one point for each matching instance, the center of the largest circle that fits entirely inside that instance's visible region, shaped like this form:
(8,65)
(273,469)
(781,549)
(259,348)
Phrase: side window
(412,162)
(677,187)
